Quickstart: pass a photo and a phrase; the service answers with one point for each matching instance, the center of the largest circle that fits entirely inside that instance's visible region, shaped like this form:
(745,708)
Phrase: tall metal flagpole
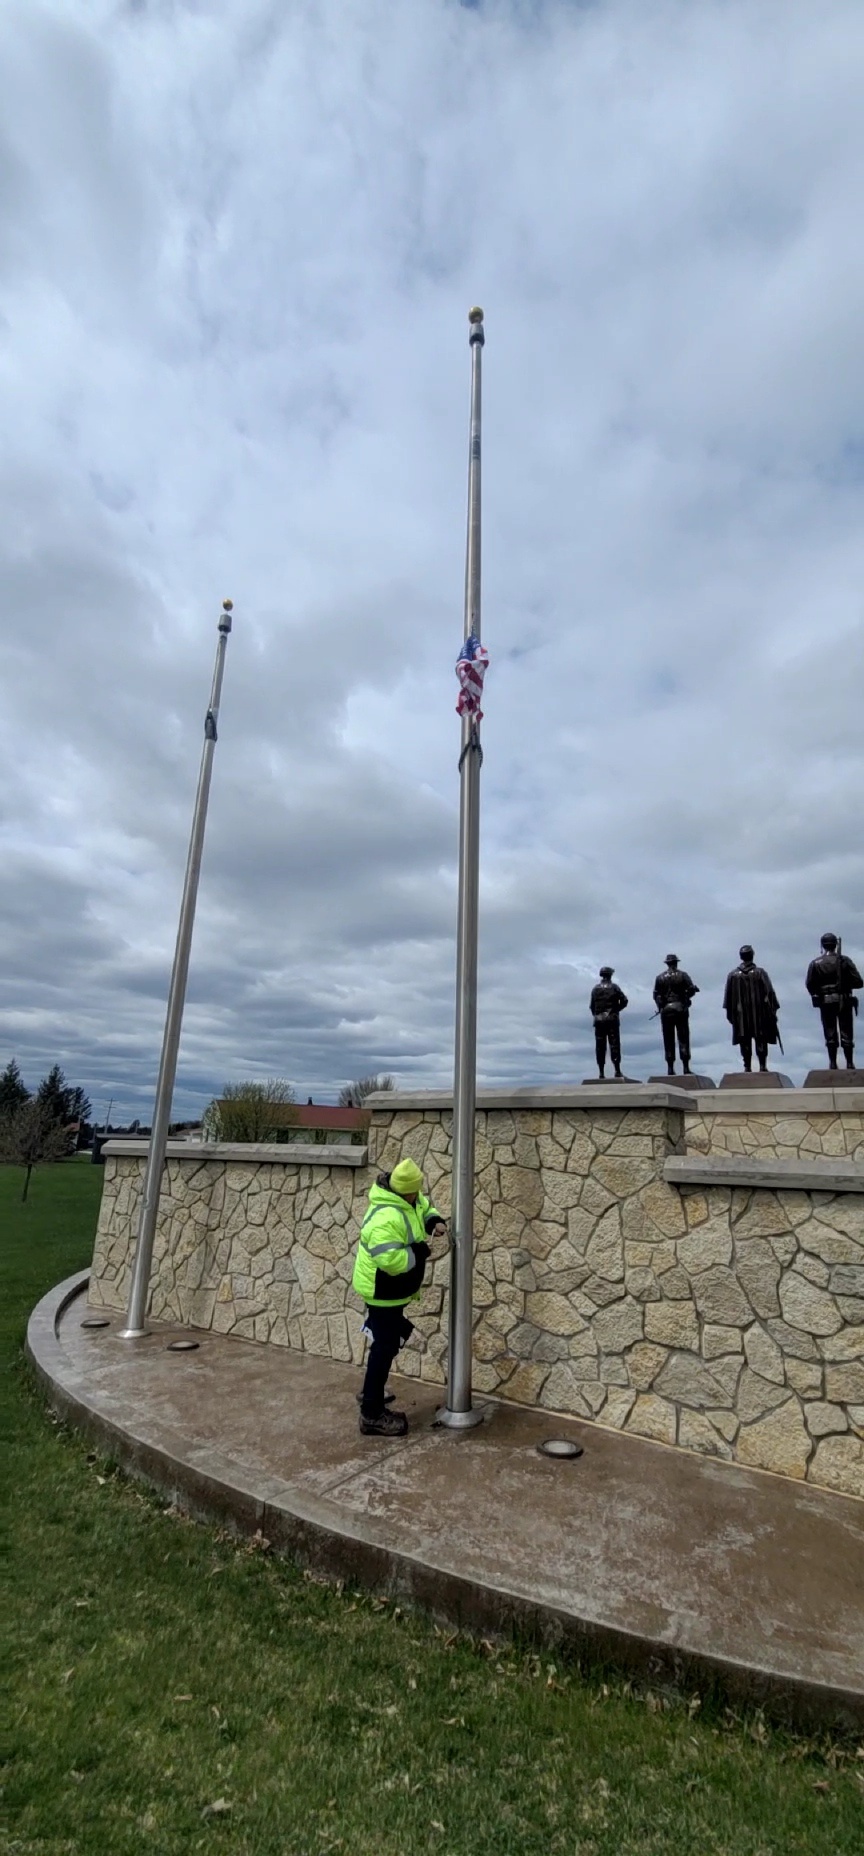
(136,1313)
(459,1412)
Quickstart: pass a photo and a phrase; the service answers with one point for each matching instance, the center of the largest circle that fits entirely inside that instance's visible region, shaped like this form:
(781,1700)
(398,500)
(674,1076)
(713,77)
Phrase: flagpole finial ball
(475,315)
(227,605)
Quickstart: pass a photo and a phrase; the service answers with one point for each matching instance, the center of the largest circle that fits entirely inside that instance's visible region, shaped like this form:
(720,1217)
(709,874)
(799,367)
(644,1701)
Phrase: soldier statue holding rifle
(673,992)
(832,980)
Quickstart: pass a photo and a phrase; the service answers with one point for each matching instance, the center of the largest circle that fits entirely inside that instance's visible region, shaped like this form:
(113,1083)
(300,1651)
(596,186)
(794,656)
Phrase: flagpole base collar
(460,1420)
(132,1333)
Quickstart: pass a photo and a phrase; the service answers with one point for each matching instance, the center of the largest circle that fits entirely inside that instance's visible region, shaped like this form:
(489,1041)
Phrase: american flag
(471,669)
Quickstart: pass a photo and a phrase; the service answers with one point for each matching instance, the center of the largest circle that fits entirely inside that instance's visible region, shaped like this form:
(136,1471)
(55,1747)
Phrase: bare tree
(354,1094)
(31,1135)
(250,1111)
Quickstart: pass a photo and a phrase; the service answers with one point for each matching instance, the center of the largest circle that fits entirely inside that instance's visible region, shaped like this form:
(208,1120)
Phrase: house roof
(320,1115)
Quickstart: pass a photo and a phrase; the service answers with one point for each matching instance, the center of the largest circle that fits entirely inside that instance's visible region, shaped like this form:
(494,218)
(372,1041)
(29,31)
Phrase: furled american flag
(471,667)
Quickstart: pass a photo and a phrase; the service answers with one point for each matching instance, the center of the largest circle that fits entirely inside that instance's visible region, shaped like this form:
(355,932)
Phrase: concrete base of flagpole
(460,1420)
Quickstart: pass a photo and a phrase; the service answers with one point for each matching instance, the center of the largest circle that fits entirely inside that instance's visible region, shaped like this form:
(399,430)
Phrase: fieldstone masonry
(723,1318)
(818,1124)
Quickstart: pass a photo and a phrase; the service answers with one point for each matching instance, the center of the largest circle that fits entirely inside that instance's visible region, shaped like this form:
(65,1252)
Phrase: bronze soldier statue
(673,992)
(831,982)
(751,1006)
(607,1003)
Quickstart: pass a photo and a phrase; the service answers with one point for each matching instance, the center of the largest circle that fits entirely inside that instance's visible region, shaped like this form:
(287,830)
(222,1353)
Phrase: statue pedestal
(756,1079)
(834,1079)
(685,1082)
(596,1082)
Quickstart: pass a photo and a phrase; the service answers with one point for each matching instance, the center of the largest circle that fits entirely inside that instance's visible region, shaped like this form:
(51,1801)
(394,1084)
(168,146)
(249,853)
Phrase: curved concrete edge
(312,1533)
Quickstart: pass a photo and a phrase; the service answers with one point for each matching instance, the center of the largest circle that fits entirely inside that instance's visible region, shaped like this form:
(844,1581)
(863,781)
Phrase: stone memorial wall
(820,1122)
(720,1311)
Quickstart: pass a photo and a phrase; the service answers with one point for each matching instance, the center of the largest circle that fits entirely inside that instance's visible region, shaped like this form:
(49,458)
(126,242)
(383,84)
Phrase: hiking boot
(389,1424)
(389,1398)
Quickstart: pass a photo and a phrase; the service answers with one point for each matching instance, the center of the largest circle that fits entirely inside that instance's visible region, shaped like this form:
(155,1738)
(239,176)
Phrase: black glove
(432,1222)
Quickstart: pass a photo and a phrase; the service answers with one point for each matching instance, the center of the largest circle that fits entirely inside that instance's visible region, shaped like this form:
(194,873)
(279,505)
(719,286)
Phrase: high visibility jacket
(386,1251)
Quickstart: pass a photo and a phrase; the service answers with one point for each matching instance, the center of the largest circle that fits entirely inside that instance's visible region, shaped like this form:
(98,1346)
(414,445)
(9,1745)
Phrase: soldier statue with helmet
(832,981)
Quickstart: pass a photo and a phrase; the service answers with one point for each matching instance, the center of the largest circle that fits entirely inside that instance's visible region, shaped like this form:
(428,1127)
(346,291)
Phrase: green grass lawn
(167,1689)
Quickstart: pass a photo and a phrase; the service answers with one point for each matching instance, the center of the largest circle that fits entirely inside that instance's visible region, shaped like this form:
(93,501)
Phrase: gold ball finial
(227,605)
(475,315)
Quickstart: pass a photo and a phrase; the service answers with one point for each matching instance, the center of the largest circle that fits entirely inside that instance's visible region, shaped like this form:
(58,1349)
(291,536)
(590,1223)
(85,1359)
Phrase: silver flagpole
(459,1412)
(136,1313)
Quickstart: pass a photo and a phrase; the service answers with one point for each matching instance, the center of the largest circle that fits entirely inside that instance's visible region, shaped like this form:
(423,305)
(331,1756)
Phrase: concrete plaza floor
(670,1563)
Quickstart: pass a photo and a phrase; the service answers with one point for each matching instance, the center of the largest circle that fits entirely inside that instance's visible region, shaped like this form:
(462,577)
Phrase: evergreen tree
(13,1090)
(62,1105)
(80,1110)
(53,1096)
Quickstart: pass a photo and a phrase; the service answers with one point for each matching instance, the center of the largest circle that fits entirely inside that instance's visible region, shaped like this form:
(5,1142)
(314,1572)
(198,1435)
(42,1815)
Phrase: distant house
(322,1123)
(319,1122)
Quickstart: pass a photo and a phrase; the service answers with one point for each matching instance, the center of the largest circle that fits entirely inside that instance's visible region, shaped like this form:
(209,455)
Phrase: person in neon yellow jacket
(389,1267)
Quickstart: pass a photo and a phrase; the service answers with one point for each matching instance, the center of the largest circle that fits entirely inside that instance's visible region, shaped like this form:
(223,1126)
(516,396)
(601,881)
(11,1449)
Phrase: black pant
(390,1330)
(838,1025)
(672,1022)
(747,1053)
(607,1031)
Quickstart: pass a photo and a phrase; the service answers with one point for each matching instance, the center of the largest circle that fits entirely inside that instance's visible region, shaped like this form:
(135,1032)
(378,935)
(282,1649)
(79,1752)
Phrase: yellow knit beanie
(406,1177)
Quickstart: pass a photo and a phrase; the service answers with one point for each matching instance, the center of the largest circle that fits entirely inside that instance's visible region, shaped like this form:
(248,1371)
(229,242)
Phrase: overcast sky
(238,244)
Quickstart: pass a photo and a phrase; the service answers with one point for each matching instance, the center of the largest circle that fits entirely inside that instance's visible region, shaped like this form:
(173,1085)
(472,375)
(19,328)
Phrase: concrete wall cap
(566,1095)
(278,1153)
(816,1175)
(635,1095)
(778,1102)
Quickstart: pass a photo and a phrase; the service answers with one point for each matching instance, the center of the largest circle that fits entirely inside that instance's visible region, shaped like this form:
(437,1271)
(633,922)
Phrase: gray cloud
(238,247)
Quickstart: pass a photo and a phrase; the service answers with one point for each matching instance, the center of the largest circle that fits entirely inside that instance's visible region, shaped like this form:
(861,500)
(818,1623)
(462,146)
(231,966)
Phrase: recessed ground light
(559,1446)
(182,1346)
(96,1321)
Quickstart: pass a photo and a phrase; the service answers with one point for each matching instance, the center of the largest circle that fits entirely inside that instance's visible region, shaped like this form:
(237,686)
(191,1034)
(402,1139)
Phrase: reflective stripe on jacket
(388,1234)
